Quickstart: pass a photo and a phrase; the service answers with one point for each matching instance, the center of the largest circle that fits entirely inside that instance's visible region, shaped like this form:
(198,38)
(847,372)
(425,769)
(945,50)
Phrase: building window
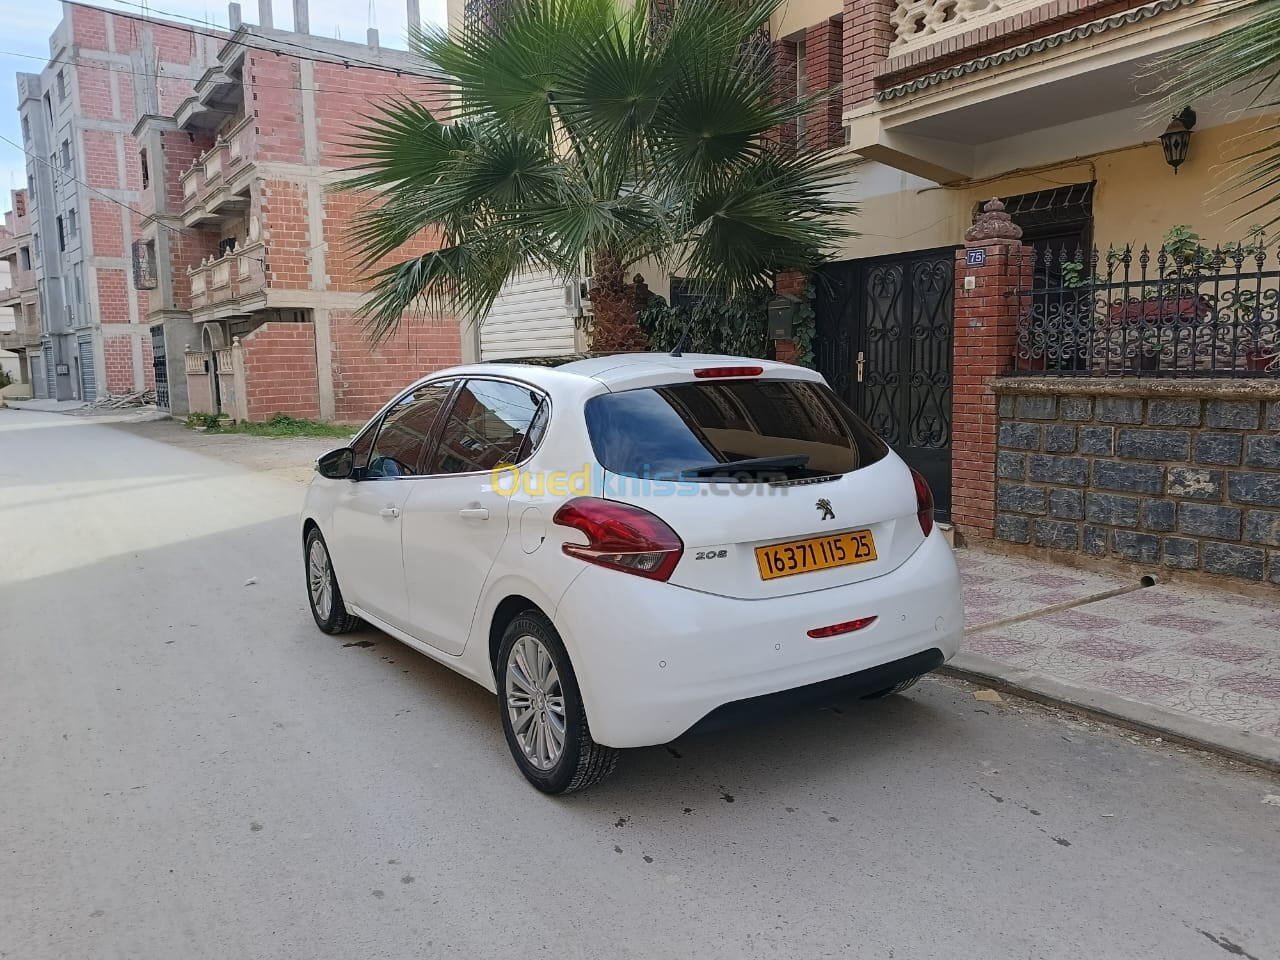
(35,243)
(66,154)
(226,245)
(144,265)
(62,234)
(24,257)
(26,130)
(146,170)
(48,108)
(73,222)
(79,275)
(62,85)
(31,186)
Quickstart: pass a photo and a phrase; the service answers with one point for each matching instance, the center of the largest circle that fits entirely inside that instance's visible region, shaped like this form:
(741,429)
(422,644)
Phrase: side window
(363,444)
(486,426)
(402,438)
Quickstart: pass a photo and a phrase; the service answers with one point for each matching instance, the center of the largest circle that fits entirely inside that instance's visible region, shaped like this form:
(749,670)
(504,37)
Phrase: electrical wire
(109,68)
(228,37)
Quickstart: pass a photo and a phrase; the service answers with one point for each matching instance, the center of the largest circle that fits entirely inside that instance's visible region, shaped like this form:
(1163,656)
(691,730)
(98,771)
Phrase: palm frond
(776,215)
(584,128)
(1240,58)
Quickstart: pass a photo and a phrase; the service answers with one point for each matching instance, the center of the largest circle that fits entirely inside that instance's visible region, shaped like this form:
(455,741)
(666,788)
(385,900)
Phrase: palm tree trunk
(615,303)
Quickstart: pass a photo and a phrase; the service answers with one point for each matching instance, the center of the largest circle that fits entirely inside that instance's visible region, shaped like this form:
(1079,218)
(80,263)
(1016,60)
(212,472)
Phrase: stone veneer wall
(1183,475)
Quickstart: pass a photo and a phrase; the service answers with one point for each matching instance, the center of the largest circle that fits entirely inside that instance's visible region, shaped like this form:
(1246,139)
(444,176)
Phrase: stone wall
(1176,475)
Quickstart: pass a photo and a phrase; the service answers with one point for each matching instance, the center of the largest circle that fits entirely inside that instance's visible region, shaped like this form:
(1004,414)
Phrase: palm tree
(593,132)
(1241,57)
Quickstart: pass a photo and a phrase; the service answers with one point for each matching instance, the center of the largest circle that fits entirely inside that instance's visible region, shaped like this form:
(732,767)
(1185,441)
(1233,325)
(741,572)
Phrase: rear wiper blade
(792,460)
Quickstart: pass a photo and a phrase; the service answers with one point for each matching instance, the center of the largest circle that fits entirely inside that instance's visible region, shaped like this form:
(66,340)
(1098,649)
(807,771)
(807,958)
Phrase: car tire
(901,687)
(541,709)
(324,596)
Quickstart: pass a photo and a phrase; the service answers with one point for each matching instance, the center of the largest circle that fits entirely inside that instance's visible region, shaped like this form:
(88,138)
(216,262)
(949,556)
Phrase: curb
(1250,748)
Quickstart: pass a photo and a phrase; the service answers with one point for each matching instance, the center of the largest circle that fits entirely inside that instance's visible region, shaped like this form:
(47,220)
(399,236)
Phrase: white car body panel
(652,658)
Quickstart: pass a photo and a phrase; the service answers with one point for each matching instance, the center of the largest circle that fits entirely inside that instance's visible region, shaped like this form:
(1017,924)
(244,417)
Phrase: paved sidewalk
(1199,663)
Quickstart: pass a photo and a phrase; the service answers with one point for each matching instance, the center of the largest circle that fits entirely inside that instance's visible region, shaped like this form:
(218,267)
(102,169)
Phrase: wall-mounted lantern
(1176,138)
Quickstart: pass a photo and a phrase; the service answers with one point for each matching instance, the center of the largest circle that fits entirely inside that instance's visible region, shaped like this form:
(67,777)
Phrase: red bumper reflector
(849,626)
(709,373)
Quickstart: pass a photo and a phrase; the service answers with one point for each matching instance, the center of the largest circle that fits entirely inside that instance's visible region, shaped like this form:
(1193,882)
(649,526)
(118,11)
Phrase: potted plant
(1262,353)
(1175,297)
(1149,351)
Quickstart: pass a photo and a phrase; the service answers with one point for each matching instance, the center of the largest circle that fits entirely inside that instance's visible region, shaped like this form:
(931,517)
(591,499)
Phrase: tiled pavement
(1207,654)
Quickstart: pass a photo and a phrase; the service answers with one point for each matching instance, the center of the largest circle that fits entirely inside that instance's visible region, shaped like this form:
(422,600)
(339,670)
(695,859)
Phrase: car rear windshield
(791,429)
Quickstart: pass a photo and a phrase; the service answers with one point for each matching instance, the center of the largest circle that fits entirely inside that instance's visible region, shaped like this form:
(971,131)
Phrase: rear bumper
(653,659)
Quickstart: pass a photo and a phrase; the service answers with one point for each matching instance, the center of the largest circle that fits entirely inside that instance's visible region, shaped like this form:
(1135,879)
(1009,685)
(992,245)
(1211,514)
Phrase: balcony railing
(229,279)
(917,23)
(218,167)
(1171,312)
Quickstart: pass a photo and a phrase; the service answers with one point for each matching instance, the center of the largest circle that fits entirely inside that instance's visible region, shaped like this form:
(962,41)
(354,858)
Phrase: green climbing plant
(737,327)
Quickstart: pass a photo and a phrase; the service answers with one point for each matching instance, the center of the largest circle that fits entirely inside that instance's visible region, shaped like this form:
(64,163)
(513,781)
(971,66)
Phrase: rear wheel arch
(507,610)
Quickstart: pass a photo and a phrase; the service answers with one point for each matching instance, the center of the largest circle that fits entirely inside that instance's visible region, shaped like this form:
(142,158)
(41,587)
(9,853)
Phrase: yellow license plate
(815,553)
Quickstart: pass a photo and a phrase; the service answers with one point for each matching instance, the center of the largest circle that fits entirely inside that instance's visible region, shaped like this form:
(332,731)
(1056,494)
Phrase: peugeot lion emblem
(824,505)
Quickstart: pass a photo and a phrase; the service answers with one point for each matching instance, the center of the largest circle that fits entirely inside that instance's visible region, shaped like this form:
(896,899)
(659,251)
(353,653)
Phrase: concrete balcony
(217,185)
(967,85)
(234,284)
(20,282)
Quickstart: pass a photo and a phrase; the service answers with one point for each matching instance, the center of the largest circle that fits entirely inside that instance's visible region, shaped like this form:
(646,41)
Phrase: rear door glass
(795,428)
(487,425)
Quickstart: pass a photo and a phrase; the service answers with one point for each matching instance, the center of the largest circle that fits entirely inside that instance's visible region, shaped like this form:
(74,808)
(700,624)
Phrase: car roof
(624,371)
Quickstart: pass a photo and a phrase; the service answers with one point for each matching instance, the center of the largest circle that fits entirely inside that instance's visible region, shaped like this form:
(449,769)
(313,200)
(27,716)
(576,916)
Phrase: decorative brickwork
(997,33)
(985,326)
(1186,476)
(824,62)
(784,85)
(867,35)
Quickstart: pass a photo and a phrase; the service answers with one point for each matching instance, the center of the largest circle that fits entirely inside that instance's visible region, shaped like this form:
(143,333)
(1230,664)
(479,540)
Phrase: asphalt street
(189,769)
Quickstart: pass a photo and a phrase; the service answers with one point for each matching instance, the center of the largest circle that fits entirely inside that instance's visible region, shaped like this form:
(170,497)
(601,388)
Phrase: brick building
(105,70)
(250,281)
(19,317)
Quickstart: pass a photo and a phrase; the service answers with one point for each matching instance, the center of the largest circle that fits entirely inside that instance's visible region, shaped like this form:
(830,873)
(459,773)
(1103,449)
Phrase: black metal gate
(159,365)
(884,342)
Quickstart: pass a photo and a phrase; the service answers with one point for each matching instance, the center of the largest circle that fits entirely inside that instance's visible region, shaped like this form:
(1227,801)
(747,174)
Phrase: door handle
(862,362)
(473,513)
(389,512)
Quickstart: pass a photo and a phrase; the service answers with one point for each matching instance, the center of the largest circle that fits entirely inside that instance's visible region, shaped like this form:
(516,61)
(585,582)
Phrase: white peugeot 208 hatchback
(626,547)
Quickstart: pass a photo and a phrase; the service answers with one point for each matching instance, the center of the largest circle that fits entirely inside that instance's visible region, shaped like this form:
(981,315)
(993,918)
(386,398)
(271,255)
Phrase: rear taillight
(621,537)
(924,503)
(713,373)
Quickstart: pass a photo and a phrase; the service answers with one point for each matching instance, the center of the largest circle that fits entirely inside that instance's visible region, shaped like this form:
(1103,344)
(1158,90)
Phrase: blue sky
(27,25)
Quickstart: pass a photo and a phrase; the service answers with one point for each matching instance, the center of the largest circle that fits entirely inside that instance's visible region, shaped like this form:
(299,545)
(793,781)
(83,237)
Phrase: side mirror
(337,464)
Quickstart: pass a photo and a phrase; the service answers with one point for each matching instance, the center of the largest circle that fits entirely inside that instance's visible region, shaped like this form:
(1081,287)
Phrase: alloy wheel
(319,579)
(535,702)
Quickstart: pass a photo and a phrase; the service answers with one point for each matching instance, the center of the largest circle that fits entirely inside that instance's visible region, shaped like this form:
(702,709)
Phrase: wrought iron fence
(1181,310)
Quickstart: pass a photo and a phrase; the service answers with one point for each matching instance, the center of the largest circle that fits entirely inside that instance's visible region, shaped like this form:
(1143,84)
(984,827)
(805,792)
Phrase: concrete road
(188,769)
